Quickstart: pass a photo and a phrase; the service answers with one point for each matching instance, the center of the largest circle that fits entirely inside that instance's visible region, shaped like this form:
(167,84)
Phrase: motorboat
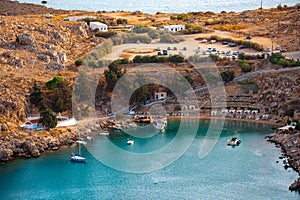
(104,133)
(233,142)
(130,142)
(78,157)
(89,137)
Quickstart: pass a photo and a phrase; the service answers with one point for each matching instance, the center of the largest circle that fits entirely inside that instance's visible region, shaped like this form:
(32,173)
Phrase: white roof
(98,23)
(174,26)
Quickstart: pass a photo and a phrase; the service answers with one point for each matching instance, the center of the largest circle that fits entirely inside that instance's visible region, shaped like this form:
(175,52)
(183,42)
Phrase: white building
(98,25)
(160,95)
(174,28)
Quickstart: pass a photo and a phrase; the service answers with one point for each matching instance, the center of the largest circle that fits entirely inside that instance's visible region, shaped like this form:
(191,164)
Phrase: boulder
(44,58)
(5,154)
(54,66)
(62,57)
(4,127)
(25,39)
(52,53)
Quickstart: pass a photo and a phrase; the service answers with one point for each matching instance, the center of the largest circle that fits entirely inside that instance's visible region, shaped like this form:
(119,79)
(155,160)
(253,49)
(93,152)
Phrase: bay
(248,171)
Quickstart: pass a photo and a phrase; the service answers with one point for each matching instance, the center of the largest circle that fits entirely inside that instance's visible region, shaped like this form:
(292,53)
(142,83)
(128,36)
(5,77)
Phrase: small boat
(78,157)
(233,142)
(130,142)
(89,137)
(116,127)
(142,119)
(104,133)
(44,2)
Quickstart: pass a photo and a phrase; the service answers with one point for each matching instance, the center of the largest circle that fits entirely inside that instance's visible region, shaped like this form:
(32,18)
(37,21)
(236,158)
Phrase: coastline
(227,119)
(289,143)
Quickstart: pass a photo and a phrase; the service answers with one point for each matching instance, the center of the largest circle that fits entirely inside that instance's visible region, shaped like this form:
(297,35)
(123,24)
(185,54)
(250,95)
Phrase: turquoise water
(166,6)
(248,171)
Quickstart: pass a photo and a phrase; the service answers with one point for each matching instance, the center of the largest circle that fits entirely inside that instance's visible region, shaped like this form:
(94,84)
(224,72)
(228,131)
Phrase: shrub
(192,29)
(289,112)
(78,62)
(107,34)
(52,84)
(122,21)
(227,75)
(245,66)
(141,29)
(297,127)
(153,34)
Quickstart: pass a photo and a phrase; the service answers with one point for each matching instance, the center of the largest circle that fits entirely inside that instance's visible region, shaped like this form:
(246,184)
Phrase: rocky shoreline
(289,141)
(31,144)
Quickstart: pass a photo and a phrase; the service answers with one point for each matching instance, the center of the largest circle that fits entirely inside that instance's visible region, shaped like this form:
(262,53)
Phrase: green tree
(227,75)
(48,119)
(113,74)
(52,84)
(36,96)
(297,127)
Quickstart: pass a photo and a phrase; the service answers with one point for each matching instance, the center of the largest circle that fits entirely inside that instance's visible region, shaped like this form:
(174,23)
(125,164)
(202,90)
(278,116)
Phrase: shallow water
(166,6)
(248,171)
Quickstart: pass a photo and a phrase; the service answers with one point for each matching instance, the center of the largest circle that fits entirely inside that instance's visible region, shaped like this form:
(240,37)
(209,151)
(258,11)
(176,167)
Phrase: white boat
(233,142)
(130,142)
(78,157)
(104,133)
(89,137)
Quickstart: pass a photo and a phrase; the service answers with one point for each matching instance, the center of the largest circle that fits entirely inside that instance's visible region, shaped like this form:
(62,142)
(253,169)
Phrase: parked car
(242,47)
(213,41)
(169,48)
(214,49)
(225,43)
(158,48)
(248,37)
(228,53)
(165,52)
(283,50)
(236,53)
(204,52)
(198,48)
(278,48)
(203,41)
(232,44)
(184,49)
(159,53)
(175,48)
(223,52)
(268,49)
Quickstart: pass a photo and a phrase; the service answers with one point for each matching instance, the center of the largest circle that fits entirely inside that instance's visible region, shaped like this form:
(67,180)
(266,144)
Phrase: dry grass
(231,27)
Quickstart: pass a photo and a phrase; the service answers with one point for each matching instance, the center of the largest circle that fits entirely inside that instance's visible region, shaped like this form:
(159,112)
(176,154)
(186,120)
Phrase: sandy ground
(190,44)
